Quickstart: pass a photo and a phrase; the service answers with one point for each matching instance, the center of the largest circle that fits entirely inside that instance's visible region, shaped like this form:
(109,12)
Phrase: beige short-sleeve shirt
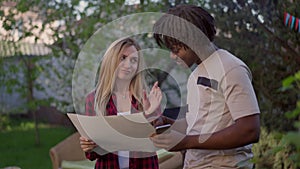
(219,92)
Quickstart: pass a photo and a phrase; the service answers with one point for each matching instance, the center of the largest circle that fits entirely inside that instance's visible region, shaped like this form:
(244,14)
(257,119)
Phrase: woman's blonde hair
(107,76)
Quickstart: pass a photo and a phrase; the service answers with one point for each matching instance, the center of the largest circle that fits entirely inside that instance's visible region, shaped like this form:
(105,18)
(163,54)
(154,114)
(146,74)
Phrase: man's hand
(162,120)
(169,141)
(87,145)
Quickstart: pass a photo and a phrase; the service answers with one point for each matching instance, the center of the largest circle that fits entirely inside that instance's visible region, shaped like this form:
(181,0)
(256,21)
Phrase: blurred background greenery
(41,40)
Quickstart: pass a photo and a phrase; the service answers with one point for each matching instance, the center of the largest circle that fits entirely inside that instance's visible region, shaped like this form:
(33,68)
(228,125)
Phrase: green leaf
(1,13)
(27,34)
(292,138)
(297,124)
(288,81)
(297,76)
(32,105)
(276,149)
(23,6)
(292,114)
(6,26)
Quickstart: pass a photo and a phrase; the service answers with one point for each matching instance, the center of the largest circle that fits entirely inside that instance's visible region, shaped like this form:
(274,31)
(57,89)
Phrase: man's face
(183,57)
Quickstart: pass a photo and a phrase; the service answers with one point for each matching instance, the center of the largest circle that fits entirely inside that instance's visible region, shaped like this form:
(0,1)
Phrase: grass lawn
(18,147)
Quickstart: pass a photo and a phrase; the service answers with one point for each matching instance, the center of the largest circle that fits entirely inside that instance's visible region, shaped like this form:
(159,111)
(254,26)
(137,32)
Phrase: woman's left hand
(153,100)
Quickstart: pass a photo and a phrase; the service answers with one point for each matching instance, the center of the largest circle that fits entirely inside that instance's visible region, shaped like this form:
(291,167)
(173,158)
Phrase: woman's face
(128,63)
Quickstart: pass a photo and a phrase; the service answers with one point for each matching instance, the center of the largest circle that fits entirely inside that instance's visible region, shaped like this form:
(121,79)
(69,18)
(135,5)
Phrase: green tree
(68,25)
(254,31)
(292,137)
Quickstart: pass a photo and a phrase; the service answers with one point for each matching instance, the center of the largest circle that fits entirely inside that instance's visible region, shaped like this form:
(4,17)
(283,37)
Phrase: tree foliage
(64,27)
(281,149)
(252,30)
(255,32)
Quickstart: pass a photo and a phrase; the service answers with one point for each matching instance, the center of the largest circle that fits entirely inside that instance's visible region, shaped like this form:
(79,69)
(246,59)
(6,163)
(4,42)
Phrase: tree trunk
(32,108)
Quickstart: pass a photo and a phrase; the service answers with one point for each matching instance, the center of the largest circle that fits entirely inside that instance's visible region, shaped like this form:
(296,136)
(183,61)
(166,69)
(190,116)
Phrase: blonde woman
(121,90)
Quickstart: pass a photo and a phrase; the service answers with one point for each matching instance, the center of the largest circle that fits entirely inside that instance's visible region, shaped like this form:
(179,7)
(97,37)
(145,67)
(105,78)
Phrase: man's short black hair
(193,15)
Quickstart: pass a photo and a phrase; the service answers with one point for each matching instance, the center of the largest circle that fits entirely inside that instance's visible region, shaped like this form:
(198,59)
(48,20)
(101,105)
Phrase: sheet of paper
(75,121)
(116,133)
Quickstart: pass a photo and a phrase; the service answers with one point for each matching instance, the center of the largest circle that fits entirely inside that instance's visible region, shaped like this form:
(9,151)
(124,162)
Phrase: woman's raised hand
(153,100)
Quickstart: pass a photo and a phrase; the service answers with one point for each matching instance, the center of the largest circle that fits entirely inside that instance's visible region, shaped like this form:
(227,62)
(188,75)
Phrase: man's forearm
(180,125)
(244,131)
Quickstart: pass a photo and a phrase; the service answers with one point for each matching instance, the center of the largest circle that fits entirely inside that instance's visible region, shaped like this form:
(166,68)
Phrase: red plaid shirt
(111,160)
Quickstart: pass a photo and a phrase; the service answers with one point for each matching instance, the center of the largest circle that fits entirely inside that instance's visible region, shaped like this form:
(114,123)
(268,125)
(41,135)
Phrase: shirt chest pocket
(208,92)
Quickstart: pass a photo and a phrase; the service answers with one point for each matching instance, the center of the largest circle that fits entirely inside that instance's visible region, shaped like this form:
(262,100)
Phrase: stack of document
(116,133)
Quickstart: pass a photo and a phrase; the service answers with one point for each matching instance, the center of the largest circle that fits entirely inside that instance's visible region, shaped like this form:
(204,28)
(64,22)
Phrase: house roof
(8,49)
